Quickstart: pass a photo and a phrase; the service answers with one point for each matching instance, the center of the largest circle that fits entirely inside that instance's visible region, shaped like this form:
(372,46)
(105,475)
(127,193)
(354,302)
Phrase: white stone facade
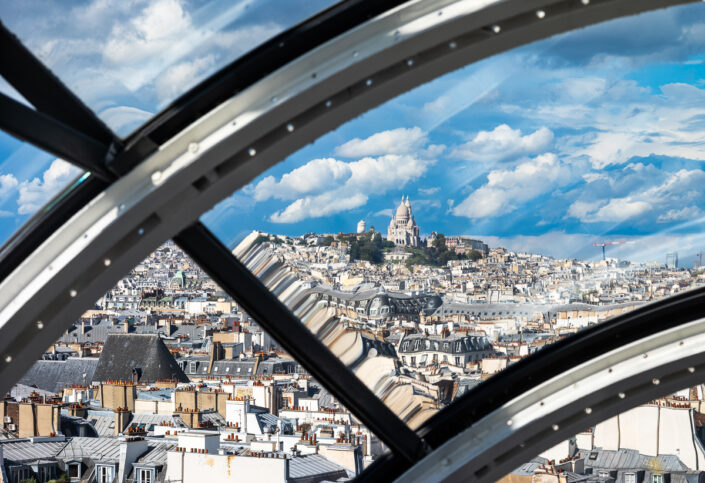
(403,230)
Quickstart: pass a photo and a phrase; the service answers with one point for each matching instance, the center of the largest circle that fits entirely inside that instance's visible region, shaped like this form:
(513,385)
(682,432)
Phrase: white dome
(403,210)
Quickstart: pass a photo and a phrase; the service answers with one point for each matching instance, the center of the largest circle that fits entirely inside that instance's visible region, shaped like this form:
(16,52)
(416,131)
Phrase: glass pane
(167,354)
(29,178)
(653,443)
(128,60)
(10,91)
(467,223)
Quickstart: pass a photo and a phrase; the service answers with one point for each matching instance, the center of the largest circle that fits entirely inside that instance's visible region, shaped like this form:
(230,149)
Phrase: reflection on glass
(168,369)
(653,443)
(470,222)
(29,178)
(128,60)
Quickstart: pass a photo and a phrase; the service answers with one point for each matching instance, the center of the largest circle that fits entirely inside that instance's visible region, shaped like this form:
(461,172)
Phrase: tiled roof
(124,352)
(55,375)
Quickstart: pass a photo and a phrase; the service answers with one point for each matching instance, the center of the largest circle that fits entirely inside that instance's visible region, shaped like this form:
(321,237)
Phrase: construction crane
(700,257)
(604,244)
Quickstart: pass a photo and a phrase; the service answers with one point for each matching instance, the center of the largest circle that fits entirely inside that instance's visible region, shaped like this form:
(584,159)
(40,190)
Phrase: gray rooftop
(146,354)
(53,376)
(315,465)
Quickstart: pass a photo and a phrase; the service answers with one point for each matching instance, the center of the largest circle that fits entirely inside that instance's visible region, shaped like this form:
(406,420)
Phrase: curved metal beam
(578,398)
(244,136)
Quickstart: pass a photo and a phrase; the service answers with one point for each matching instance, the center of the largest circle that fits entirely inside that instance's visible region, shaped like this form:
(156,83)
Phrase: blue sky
(592,135)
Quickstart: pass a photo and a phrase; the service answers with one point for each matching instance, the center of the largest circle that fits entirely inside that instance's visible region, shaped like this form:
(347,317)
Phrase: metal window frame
(45,91)
(169,190)
(54,137)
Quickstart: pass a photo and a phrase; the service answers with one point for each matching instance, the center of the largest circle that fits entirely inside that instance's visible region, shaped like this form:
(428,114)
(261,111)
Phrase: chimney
(122,419)
(126,326)
(131,448)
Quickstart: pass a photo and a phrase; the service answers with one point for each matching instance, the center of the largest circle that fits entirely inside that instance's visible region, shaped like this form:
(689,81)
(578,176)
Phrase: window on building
(45,472)
(73,470)
(629,477)
(656,478)
(146,475)
(192,367)
(105,473)
(20,473)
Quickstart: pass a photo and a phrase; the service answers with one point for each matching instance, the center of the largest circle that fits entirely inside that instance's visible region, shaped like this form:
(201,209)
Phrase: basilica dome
(402,211)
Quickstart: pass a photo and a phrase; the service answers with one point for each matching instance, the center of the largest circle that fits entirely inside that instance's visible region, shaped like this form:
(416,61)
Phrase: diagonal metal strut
(54,137)
(261,304)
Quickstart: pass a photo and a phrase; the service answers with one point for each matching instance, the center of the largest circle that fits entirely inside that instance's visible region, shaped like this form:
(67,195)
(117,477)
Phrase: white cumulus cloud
(684,214)
(178,78)
(506,189)
(394,141)
(361,179)
(637,191)
(503,143)
(8,182)
(36,192)
(316,176)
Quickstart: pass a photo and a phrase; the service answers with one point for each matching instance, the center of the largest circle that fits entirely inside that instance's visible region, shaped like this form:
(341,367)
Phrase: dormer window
(73,470)
(145,475)
(105,473)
